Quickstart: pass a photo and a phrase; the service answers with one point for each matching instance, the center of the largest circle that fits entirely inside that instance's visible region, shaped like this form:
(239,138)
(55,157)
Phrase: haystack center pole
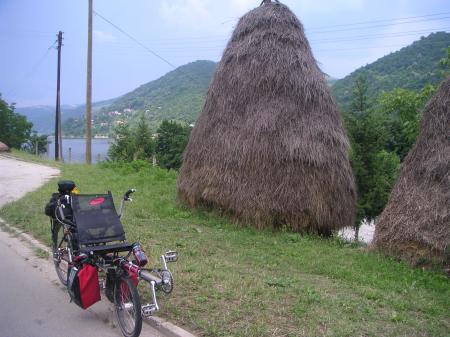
(89,90)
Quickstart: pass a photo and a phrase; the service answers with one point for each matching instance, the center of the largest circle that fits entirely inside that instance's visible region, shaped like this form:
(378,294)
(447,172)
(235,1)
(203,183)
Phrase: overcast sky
(344,34)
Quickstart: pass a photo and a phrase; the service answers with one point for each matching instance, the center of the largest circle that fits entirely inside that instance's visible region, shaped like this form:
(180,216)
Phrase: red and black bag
(83,285)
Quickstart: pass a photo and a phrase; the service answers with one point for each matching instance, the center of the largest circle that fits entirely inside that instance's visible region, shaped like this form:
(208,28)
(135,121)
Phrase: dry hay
(269,147)
(415,225)
(4,147)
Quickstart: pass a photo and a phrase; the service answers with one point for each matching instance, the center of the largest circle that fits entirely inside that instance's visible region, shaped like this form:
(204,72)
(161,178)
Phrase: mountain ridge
(180,94)
(411,67)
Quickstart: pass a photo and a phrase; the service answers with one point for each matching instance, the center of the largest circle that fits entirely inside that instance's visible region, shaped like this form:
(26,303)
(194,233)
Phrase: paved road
(32,301)
(17,178)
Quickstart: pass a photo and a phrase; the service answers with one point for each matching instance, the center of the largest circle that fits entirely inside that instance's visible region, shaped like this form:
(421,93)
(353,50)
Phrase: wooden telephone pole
(89,90)
(58,138)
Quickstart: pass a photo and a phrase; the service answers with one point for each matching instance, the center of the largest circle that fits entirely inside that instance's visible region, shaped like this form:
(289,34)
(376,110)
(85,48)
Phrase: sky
(344,35)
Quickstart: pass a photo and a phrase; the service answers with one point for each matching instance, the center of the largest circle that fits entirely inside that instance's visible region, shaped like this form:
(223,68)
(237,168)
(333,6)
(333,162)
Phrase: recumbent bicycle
(88,238)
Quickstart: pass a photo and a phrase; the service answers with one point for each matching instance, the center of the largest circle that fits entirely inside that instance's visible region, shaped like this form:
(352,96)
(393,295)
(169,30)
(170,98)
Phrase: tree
(36,144)
(385,168)
(359,99)
(171,141)
(445,62)
(375,168)
(15,130)
(123,147)
(401,109)
(143,141)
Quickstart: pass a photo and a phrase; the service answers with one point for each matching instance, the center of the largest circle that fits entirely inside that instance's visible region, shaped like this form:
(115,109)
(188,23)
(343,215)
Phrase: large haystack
(269,147)
(415,224)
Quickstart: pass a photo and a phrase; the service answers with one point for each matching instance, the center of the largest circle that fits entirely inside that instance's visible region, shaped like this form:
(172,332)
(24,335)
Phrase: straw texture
(269,147)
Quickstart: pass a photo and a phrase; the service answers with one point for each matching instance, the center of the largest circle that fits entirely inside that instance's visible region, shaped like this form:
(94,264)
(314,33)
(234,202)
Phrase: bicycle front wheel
(60,252)
(128,307)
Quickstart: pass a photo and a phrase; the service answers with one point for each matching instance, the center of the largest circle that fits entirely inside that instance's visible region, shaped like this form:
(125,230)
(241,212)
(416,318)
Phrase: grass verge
(29,157)
(233,281)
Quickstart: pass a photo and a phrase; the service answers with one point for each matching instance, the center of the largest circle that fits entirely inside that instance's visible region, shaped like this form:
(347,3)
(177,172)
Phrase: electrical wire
(142,45)
(377,21)
(32,70)
(135,40)
(375,26)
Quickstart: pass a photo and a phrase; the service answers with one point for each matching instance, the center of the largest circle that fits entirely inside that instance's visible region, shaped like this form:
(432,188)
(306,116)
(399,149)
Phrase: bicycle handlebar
(128,193)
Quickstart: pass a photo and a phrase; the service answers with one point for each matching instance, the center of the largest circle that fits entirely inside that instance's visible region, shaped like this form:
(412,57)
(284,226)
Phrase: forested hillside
(43,116)
(411,67)
(178,95)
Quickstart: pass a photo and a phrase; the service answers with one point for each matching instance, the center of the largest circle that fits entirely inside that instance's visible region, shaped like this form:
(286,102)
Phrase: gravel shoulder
(17,178)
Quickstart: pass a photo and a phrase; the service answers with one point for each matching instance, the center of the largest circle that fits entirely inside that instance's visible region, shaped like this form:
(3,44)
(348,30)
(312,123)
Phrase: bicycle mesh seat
(96,219)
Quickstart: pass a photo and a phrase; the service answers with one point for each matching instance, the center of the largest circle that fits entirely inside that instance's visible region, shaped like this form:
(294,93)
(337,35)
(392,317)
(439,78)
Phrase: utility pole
(89,90)
(58,140)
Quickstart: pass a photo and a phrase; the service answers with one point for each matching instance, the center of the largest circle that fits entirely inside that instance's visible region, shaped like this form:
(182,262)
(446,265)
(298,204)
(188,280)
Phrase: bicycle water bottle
(139,255)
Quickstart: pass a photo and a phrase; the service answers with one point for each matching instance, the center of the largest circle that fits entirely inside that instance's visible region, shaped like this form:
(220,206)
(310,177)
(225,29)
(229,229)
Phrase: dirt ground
(17,178)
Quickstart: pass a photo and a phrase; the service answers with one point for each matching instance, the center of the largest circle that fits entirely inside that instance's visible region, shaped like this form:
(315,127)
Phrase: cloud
(103,36)
(192,14)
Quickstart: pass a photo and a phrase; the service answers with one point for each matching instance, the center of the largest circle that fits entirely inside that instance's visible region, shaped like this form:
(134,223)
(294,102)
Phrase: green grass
(27,156)
(43,254)
(234,281)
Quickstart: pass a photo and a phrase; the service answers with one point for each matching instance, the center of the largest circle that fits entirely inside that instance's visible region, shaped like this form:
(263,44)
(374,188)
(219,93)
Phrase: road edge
(164,327)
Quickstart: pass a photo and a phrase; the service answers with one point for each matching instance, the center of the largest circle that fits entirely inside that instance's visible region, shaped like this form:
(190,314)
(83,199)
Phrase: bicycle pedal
(171,256)
(148,310)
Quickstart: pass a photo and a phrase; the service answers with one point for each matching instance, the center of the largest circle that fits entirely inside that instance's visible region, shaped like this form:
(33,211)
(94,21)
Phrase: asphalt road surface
(32,301)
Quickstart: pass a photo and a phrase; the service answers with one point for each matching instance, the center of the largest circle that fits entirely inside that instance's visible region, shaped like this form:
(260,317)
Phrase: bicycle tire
(60,253)
(127,306)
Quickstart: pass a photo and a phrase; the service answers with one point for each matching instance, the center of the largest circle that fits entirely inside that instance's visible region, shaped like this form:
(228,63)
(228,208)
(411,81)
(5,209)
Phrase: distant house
(4,147)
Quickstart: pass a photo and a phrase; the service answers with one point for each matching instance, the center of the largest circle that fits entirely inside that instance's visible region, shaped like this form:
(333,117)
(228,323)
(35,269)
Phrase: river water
(76,147)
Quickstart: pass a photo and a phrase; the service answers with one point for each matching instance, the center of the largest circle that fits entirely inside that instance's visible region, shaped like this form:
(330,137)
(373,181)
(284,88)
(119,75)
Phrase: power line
(32,70)
(123,47)
(372,36)
(142,45)
(185,41)
(378,21)
(377,26)
(135,40)
(318,28)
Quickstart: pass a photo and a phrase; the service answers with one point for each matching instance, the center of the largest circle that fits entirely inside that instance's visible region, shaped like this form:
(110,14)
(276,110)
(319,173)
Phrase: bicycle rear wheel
(128,307)
(60,252)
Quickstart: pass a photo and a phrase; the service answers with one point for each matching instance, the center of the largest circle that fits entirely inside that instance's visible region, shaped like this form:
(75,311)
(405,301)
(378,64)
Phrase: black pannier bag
(65,187)
(83,286)
(50,208)
(51,205)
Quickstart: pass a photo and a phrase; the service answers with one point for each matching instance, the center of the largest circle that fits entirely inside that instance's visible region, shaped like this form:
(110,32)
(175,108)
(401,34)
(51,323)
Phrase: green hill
(411,67)
(43,116)
(178,95)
